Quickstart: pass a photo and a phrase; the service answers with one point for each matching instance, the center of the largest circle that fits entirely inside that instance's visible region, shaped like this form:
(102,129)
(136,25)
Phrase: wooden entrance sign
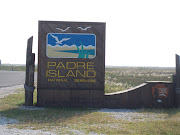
(71,64)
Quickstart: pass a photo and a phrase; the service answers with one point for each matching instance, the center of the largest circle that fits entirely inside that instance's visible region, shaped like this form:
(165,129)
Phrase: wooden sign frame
(71,63)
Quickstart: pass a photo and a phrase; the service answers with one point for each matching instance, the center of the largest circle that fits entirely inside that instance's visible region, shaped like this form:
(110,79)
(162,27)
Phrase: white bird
(159,101)
(57,40)
(162,95)
(63,30)
(84,29)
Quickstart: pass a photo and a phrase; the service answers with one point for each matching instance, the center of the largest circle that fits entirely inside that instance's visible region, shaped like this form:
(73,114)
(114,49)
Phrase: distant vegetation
(94,121)
(14,67)
(121,78)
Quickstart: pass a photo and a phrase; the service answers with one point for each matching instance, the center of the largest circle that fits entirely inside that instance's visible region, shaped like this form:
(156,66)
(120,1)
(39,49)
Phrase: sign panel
(160,91)
(71,56)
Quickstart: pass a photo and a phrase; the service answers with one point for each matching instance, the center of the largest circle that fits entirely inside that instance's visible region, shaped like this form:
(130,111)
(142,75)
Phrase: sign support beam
(177,81)
(29,80)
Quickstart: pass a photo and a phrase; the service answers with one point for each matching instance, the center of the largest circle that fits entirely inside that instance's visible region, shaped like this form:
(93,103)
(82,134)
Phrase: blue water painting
(71,45)
(90,52)
(86,39)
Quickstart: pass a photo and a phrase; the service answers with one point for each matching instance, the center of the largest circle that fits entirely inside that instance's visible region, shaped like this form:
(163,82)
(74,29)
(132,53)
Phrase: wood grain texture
(177,81)
(79,92)
(30,67)
(139,97)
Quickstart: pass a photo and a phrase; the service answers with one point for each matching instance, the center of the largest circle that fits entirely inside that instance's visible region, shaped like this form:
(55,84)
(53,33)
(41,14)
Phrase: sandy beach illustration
(70,45)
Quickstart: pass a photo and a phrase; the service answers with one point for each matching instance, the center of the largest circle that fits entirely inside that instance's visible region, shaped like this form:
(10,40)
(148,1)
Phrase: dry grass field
(122,78)
(75,121)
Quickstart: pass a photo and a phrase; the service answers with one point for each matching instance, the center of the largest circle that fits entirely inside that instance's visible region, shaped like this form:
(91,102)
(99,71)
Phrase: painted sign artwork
(70,45)
(160,90)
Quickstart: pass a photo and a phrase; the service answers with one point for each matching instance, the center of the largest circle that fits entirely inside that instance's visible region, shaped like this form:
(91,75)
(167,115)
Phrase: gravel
(13,131)
(4,130)
(4,122)
(75,132)
(31,108)
(5,91)
(122,114)
(133,115)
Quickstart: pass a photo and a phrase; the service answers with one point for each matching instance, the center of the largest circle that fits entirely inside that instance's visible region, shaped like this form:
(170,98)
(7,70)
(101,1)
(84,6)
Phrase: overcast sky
(138,32)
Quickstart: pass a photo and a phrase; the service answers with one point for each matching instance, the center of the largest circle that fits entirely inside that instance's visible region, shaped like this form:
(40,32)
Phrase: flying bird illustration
(57,40)
(63,30)
(159,101)
(162,95)
(84,29)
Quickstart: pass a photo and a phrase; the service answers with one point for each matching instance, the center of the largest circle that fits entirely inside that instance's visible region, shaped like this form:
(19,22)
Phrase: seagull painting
(84,29)
(59,41)
(63,30)
(162,95)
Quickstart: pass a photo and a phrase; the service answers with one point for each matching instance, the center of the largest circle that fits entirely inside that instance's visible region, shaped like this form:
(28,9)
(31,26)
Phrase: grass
(85,120)
(122,78)
(91,121)
(14,67)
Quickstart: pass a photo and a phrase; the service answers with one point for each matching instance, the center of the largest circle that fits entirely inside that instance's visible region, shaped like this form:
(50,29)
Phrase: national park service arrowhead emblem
(160,90)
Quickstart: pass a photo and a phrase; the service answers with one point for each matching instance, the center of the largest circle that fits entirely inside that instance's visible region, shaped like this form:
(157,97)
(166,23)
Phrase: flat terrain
(122,78)
(116,78)
(17,119)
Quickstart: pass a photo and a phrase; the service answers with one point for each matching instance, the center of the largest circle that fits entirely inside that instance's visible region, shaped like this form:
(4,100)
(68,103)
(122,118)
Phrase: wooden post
(29,82)
(177,81)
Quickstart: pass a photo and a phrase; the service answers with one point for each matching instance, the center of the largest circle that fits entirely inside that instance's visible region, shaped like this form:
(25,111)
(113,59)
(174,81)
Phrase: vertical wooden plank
(74,98)
(134,97)
(96,98)
(177,71)
(171,95)
(115,101)
(177,82)
(106,101)
(46,98)
(62,98)
(146,96)
(29,80)
(83,98)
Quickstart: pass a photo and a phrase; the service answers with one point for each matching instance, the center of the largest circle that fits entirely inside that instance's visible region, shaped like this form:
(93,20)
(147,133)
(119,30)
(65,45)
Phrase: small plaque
(160,90)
